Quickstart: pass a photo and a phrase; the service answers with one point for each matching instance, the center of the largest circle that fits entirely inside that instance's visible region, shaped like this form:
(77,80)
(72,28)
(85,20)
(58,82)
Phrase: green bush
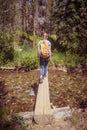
(26,59)
(17,119)
(6,48)
(66,58)
(29,59)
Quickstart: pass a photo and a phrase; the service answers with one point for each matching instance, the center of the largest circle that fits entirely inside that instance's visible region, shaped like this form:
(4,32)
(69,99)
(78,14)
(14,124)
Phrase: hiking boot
(41,80)
(44,77)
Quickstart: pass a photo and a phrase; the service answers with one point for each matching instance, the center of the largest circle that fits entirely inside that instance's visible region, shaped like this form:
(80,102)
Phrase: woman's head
(45,35)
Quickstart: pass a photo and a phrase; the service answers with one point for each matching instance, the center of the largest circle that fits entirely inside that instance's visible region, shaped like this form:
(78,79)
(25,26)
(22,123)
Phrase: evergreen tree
(7,15)
(70,23)
(49,11)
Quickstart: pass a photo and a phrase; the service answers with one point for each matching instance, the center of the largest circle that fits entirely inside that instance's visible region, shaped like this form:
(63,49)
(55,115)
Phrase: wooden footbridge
(42,112)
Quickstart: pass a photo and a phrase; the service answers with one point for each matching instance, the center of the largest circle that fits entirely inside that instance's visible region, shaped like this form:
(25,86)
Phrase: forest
(22,23)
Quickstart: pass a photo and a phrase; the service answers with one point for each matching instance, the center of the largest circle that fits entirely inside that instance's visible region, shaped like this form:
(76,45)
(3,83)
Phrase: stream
(18,89)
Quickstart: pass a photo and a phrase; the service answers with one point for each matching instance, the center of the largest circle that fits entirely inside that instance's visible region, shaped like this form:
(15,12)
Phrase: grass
(71,60)
(28,58)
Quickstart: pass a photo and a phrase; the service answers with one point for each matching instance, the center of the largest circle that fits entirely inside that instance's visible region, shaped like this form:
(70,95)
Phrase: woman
(44,52)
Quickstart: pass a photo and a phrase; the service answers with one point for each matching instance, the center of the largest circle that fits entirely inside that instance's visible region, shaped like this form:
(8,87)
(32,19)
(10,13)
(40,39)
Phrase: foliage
(25,41)
(71,25)
(7,13)
(6,48)
(4,120)
(18,119)
(29,59)
(71,60)
(4,110)
(26,59)
(49,22)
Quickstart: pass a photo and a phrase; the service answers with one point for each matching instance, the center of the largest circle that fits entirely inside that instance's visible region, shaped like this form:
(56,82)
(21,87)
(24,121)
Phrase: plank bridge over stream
(42,112)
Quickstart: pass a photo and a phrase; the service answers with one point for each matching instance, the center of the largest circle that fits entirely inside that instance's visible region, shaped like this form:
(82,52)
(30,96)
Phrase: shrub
(6,48)
(66,58)
(26,59)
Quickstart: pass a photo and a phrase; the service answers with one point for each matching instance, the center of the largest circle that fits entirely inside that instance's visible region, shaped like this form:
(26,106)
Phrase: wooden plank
(42,113)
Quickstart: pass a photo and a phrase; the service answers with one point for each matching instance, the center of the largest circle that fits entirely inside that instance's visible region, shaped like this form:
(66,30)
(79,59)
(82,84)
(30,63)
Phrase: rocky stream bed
(18,92)
(21,87)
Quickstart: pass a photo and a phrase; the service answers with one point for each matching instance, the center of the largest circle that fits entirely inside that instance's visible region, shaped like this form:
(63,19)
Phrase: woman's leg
(46,66)
(41,67)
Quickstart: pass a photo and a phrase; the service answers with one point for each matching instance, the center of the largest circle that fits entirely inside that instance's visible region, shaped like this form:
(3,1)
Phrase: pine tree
(70,23)
(49,11)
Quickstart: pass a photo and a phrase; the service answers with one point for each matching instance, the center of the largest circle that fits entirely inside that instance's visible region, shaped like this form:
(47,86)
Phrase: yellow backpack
(45,53)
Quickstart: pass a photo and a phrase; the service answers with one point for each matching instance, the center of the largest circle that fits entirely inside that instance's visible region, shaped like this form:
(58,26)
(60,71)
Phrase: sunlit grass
(30,59)
(67,59)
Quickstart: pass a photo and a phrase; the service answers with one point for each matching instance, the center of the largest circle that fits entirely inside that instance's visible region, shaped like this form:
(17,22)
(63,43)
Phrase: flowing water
(21,87)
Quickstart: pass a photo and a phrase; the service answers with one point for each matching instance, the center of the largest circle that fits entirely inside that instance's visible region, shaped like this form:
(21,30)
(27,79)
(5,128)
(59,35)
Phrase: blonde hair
(45,35)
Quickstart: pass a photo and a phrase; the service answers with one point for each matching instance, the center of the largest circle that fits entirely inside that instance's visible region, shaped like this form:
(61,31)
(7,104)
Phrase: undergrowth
(30,59)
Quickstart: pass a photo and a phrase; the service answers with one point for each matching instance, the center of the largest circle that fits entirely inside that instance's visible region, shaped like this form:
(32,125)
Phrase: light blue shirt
(39,43)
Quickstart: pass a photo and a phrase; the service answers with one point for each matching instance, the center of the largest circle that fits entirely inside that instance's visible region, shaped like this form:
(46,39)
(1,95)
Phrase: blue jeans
(44,66)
